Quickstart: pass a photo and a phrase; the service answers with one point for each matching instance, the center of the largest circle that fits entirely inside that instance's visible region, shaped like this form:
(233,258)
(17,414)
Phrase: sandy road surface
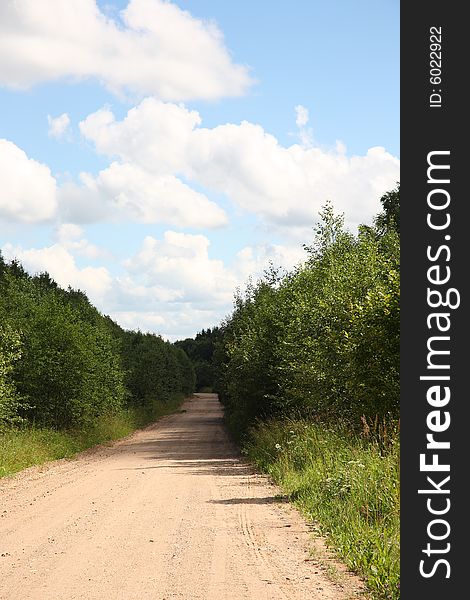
(170,512)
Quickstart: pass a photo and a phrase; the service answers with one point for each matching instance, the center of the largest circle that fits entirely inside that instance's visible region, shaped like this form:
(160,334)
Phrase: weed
(348,482)
(23,447)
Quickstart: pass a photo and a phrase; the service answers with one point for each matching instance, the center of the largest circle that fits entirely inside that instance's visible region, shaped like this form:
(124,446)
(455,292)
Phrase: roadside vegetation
(70,377)
(307,366)
(347,482)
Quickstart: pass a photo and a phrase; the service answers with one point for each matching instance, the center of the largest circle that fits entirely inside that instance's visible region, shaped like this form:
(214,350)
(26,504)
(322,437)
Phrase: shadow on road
(265,500)
(194,440)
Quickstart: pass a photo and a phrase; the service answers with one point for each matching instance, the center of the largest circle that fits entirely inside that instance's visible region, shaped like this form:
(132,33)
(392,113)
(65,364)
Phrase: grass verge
(25,447)
(348,483)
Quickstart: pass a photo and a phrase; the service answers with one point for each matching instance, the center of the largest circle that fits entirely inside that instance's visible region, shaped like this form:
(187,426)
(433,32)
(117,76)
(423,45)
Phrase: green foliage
(187,374)
(248,357)
(64,365)
(69,372)
(155,369)
(23,447)
(200,351)
(389,218)
(144,362)
(320,341)
(10,353)
(348,483)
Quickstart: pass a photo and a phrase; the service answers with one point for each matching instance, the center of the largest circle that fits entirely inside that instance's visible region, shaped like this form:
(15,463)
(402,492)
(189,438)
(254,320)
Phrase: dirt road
(169,512)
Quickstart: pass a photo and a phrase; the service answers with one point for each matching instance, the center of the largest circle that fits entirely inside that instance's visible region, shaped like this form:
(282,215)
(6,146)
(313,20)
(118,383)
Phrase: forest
(64,365)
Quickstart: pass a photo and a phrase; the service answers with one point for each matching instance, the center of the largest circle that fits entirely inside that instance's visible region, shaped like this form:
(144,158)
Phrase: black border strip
(433,119)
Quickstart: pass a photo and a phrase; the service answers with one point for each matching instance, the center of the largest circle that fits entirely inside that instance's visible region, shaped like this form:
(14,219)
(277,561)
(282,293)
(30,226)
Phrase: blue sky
(159,156)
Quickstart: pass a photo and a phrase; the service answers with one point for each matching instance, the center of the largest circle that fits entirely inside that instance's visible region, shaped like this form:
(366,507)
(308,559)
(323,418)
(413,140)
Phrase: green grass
(348,482)
(24,447)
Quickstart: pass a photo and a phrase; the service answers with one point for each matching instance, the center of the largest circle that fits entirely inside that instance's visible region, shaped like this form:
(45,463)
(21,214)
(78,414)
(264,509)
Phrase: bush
(320,341)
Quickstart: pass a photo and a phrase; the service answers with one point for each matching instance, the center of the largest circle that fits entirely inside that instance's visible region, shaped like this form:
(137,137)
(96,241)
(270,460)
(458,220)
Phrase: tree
(323,340)
(10,353)
(200,350)
(63,364)
(389,218)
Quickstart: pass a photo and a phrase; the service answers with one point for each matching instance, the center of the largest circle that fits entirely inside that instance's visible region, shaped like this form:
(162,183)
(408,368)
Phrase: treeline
(64,365)
(323,340)
(200,351)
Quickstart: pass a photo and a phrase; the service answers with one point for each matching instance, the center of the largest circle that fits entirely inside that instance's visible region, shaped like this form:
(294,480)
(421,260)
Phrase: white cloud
(126,191)
(28,188)
(181,263)
(174,287)
(156,49)
(301,116)
(61,266)
(284,186)
(68,233)
(305,133)
(58,125)
(171,286)
(69,236)
(179,268)
(149,322)
(122,191)
(253,261)
(171,325)
(154,134)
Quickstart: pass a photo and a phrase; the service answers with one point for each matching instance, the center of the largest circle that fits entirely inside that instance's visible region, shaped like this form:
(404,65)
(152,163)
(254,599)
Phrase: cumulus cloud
(155,48)
(127,191)
(70,237)
(284,186)
(61,266)
(181,263)
(29,192)
(179,268)
(58,126)
(148,322)
(253,261)
(171,325)
(171,286)
(156,135)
